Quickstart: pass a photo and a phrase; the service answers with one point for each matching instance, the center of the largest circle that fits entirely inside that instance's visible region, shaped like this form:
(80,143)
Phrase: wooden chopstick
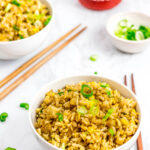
(28,73)
(34,58)
(139,140)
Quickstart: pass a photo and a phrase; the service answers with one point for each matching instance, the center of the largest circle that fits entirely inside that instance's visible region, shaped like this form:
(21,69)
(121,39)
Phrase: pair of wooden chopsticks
(139,140)
(28,73)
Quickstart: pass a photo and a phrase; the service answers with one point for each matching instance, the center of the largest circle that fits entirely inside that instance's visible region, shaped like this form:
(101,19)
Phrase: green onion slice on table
(86,91)
(108,114)
(3,116)
(60,116)
(9,148)
(95,73)
(93,57)
(24,105)
(82,110)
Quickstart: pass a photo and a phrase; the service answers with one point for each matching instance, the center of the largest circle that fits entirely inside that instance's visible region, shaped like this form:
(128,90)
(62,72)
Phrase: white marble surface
(74,59)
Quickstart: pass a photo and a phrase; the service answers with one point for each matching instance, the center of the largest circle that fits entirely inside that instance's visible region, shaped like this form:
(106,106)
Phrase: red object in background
(99,4)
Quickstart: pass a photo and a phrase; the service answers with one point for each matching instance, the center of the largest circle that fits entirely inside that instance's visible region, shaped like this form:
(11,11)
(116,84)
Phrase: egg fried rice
(20,19)
(87,116)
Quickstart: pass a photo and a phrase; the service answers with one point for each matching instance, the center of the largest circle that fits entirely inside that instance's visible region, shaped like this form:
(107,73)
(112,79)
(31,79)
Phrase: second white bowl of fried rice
(85,112)
(24,25)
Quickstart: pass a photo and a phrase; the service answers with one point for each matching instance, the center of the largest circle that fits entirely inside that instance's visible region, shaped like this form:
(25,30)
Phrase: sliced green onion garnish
(111,131)
(108,92)
(123,23)
(3,116)
(108,114)
(145,31)
(47,20)
(63,146)
(60,116)
(16,28)
(131,32)
(60,93)
(104,85)
(87,93)
(38,17)
(9,148)
(69,90)
(24,105)
(93,57)
(95,73)
(15,2)
(139,36)
(82,110)
(94,110)
(21,37)
(8,7)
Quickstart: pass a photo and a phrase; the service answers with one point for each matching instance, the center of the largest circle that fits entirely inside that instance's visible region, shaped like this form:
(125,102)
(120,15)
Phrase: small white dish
(127,45)
(55,85)
(19,48)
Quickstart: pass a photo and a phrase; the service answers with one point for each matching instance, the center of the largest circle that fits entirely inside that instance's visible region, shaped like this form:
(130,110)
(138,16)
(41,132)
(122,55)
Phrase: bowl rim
(50,4)
(124,40)
(85,76)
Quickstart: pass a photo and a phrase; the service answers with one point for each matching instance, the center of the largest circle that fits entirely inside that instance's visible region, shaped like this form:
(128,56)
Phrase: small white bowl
(127,45)
(19,48)
(75,79)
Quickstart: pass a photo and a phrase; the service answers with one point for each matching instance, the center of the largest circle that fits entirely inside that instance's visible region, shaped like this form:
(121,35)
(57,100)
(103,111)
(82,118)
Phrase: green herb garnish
(21,37)
(94,110)
(104,85)
(3,116)
(82,110)
(108,92)
(60,116)
(24,105)
(8,7)
(88,93)
(111,131)
(60,93)
(93,57)
(108,114)
(47,20)
(63,146)
(15,2)
(16,28)
(95,73)
(69,90)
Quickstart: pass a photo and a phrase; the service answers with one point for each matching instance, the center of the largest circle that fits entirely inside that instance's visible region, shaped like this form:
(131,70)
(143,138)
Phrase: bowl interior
(132,17)
(71,80)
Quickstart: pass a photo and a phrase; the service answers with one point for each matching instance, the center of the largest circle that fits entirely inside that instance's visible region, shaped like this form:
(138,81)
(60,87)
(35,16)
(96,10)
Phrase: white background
(74,59)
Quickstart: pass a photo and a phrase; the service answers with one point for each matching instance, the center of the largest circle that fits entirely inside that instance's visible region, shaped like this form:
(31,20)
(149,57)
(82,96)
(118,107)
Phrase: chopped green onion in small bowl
(133,32)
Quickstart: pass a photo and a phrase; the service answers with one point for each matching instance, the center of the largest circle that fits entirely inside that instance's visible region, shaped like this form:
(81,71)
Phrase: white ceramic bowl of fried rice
(61,83)
(18,48)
